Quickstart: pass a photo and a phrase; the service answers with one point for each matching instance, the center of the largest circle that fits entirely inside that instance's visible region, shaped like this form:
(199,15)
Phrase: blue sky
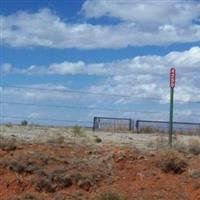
(119,48)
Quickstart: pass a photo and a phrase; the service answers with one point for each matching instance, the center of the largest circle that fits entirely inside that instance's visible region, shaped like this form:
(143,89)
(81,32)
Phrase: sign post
(172,86)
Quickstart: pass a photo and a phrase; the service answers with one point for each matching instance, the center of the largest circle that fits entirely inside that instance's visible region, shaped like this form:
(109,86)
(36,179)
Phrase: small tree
(24,123)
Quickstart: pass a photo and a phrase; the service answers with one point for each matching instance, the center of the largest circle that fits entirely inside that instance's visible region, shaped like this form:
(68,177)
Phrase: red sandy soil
(134,174)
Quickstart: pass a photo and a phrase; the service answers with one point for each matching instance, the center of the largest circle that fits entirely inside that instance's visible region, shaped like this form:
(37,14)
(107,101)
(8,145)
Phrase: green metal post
(171,115)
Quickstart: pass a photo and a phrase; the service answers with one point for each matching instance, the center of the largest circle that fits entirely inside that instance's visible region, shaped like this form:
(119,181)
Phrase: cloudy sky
(75,59)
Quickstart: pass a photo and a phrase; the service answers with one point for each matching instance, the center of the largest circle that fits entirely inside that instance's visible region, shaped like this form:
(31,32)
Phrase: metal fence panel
(162,126)
(113,124)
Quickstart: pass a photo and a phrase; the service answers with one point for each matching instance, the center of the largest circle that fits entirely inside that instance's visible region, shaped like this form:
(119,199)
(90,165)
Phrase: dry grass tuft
(44,185)
(170,160)
(194,146)
(78,131)
(194,173)
(67,196)
(147,129)
(180,146)
(7,144)
(19,165)
(61,179)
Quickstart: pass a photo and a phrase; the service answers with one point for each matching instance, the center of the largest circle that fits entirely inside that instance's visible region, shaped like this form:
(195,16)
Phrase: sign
(172,77)
(172,85)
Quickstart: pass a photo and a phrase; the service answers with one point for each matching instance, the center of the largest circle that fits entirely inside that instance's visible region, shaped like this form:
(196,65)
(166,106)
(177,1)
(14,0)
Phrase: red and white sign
(172,77)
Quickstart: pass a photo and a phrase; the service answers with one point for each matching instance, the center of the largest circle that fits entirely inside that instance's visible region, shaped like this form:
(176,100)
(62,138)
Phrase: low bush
(69,196)
(85,184)
(61,179)
(27,196)
(8,125)
(161,143)
(78,131)
(194,173)
(180,146)
(58,140)
(19,165)
(44,158)
(44,185)
(194,146)
(53,181)
(13,165)
(98,140)
(147,129)
(110,196)
(7,144)
(171,160)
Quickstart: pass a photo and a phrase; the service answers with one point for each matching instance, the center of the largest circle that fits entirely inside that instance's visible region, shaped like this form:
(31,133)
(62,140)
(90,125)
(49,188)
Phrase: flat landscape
(100,100)
(52,163)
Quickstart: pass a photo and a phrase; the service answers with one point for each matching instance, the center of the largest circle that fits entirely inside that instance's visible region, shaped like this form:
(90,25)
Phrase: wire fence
(143,126)
(67,91)
(66,107)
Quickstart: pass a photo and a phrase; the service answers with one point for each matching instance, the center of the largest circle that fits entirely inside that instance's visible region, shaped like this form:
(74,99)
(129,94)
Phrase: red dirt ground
(133,174)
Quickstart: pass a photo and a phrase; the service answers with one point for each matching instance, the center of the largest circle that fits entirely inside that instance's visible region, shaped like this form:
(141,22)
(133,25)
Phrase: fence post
(137,126)
(130,124)
(94,123)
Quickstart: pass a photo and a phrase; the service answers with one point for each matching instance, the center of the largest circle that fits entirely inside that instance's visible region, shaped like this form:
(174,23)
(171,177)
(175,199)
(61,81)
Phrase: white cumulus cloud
(145,12)
(145,76)
(142,24)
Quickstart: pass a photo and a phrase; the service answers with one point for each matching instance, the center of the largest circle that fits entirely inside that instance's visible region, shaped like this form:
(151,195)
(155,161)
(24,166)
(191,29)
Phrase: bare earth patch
(64,167)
